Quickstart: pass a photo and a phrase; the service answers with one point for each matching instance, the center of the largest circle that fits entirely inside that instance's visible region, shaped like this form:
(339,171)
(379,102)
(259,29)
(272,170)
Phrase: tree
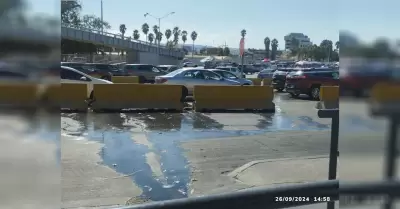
(93,22)
(267,43)
(337,44)
(159,36)
(122,29)
(168,34)
(194,37)
(70,13)
(176,32)
(226,52)
(151,38)
(274,48)
(155,30)
(327,47)
(243,33)
(136,34)
(184,37)
(145,29)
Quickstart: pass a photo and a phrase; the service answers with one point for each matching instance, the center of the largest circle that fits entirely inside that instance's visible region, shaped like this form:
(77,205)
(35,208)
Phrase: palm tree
(267,43)
(159,36)
(194,37)
(151,38)
(184,37)
(155,30)
(337,44)
(136,35)
(122,29)
(145,29)
(243,33)
(168,34)
(274,46)
(176,32)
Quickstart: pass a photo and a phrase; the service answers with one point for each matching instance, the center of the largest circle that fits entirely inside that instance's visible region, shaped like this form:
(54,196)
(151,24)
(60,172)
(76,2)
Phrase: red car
(309,81)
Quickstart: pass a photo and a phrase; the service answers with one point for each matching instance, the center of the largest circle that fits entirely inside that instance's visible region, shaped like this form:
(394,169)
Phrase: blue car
(266,73)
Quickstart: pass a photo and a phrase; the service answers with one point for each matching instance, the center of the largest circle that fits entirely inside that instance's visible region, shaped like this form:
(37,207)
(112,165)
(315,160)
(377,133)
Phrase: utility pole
(159,25)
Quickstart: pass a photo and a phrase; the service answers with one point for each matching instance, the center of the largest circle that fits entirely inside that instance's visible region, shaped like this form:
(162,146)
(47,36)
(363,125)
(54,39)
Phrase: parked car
(358,81)
(309,82)
(248,69)
(279,78)
(145,72)
(71,75)
(231,76)
(234,70)
(168,68)
(189,77)
(189,64)
(266,73)
(90,69)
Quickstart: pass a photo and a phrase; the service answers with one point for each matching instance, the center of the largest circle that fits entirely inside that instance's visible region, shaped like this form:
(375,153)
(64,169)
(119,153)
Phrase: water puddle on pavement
(159,136)
(146,146)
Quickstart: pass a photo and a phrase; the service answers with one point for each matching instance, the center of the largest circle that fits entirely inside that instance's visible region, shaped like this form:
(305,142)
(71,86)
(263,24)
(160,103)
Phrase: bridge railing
(114,35)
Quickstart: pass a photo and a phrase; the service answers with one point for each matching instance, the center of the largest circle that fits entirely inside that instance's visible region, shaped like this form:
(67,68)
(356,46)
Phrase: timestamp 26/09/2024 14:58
(302,199)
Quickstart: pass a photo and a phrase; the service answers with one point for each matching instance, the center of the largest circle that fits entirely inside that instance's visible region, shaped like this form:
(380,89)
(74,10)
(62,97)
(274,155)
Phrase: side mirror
(83,78)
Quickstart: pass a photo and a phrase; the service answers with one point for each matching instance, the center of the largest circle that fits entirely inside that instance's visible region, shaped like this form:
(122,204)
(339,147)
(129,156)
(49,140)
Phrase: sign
(241,46)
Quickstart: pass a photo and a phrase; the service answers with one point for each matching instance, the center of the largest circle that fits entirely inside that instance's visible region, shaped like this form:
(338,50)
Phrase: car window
(193,74)
(103,67)
(71,75)
(145,67)
(229,75)
(173,68)
(154,69)
(131,67)
(208,75)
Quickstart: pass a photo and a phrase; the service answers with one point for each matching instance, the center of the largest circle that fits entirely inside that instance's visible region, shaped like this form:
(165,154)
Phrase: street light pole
(102,25)
(159,25)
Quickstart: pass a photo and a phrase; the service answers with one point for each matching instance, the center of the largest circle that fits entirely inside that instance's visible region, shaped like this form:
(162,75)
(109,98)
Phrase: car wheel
(245,84)
(280,89)
(293,95)
(314,94)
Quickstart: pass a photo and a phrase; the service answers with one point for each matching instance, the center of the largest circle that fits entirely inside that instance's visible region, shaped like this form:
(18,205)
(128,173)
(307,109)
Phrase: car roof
(137,64)
(73,69)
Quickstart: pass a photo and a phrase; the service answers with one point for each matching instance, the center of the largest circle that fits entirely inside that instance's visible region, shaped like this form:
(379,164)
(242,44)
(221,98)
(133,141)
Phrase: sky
(218,22)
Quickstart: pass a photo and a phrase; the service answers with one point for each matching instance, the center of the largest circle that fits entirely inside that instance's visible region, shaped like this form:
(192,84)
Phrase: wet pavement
(145,146)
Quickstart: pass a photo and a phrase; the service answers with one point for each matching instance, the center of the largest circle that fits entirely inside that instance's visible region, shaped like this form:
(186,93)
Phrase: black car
(249,69)
(279,78)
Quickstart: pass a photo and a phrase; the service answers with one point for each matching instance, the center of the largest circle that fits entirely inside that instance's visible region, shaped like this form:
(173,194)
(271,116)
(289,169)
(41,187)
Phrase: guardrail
(117,35)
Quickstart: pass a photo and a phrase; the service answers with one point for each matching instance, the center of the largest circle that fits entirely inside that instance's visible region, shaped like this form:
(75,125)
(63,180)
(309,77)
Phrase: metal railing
(117,35)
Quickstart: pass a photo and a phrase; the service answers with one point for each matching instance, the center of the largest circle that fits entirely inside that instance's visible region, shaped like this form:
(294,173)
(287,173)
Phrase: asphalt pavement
(111,159)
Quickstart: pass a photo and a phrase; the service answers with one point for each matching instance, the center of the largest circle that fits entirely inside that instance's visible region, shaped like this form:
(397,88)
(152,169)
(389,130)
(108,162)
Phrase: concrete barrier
(385,99)
(260,82)
(137,96)
(233,98)
(329,97)
(386,92)
(125,79)
(67,96)
(19,95)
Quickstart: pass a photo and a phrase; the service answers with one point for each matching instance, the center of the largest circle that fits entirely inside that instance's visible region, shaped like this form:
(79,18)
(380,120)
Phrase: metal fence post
(334,148)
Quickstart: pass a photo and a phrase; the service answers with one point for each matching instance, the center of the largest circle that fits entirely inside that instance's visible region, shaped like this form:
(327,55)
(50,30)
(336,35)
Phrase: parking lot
(129,158)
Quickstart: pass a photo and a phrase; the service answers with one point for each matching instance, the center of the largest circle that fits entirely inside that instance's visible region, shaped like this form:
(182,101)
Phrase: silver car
(231,76)
(189,77)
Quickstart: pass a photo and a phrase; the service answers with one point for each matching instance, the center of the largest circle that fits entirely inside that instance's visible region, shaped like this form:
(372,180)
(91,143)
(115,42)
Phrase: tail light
(161,80)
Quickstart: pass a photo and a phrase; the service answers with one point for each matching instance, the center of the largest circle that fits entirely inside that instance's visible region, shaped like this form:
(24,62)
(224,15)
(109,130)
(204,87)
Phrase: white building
(304,41)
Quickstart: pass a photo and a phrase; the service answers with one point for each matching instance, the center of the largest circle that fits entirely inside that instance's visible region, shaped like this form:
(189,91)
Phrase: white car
(70,75)
(189,77)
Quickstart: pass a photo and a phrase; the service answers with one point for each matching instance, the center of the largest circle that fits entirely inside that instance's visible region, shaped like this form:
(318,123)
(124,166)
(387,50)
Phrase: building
(304,41)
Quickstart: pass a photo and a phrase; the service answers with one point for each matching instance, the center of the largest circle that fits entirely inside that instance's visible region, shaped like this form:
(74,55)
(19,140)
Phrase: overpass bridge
(136,51)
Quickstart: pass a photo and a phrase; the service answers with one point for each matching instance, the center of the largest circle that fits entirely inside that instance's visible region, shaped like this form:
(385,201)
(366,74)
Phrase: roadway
(119,158)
